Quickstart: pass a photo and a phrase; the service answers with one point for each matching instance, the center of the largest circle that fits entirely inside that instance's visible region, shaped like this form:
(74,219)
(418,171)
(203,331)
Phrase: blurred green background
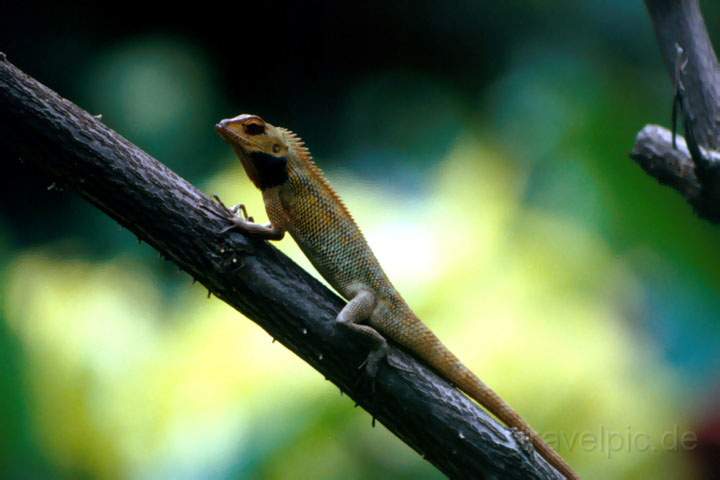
(482,146)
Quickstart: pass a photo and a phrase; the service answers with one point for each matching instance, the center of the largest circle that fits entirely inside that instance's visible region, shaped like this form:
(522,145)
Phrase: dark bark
(695,74)
(672,166)
(80,153)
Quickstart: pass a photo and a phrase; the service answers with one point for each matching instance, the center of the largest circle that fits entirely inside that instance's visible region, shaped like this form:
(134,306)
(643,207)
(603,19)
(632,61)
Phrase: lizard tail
(430,348)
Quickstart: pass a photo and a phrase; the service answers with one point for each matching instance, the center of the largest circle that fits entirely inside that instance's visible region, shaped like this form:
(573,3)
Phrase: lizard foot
(371,367)
(238,210)
(236,223)
(242,222)
(371,364)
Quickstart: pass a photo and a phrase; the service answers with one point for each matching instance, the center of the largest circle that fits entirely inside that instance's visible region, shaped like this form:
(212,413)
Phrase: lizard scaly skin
(299,200)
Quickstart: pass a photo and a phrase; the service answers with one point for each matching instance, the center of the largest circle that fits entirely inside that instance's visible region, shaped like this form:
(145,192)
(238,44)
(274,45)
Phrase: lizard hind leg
(359,309)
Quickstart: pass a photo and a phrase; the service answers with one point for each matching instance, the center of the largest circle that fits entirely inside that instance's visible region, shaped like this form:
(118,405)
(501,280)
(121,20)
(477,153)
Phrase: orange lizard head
(261,147)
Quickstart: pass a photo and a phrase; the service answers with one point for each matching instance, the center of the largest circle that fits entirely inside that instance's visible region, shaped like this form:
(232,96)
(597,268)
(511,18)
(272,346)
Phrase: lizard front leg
(239,210)
(265,232)
(236,211)
(244,223)
(357,310)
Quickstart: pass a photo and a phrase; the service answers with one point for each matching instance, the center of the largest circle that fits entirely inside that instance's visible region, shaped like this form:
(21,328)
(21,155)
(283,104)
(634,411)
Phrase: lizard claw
(235,224)
(364,383)
(219,202)
(238,210)
(371,366)
(372,362)
(238,216)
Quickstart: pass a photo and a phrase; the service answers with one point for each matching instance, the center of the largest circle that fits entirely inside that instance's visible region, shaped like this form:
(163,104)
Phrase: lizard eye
(276,148)
(254,129)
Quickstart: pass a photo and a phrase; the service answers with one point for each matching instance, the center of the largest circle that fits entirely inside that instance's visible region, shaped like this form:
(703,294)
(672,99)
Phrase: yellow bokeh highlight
(125,384)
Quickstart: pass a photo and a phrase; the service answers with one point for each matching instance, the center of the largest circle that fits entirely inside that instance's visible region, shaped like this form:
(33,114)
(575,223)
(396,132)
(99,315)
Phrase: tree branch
(672,166)
(80,153)
(693,67)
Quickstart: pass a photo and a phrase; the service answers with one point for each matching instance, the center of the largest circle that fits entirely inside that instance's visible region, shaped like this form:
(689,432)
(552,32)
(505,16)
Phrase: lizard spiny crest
(304,155)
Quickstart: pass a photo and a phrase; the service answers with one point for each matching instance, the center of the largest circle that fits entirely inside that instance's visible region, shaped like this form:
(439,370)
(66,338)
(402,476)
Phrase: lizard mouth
(227,133)
(242,147)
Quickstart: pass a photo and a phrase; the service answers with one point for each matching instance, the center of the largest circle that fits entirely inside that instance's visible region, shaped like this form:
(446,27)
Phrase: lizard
(299,200)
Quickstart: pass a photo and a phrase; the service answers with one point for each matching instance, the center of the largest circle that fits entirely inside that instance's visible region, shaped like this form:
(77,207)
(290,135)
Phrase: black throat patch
(271,171)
